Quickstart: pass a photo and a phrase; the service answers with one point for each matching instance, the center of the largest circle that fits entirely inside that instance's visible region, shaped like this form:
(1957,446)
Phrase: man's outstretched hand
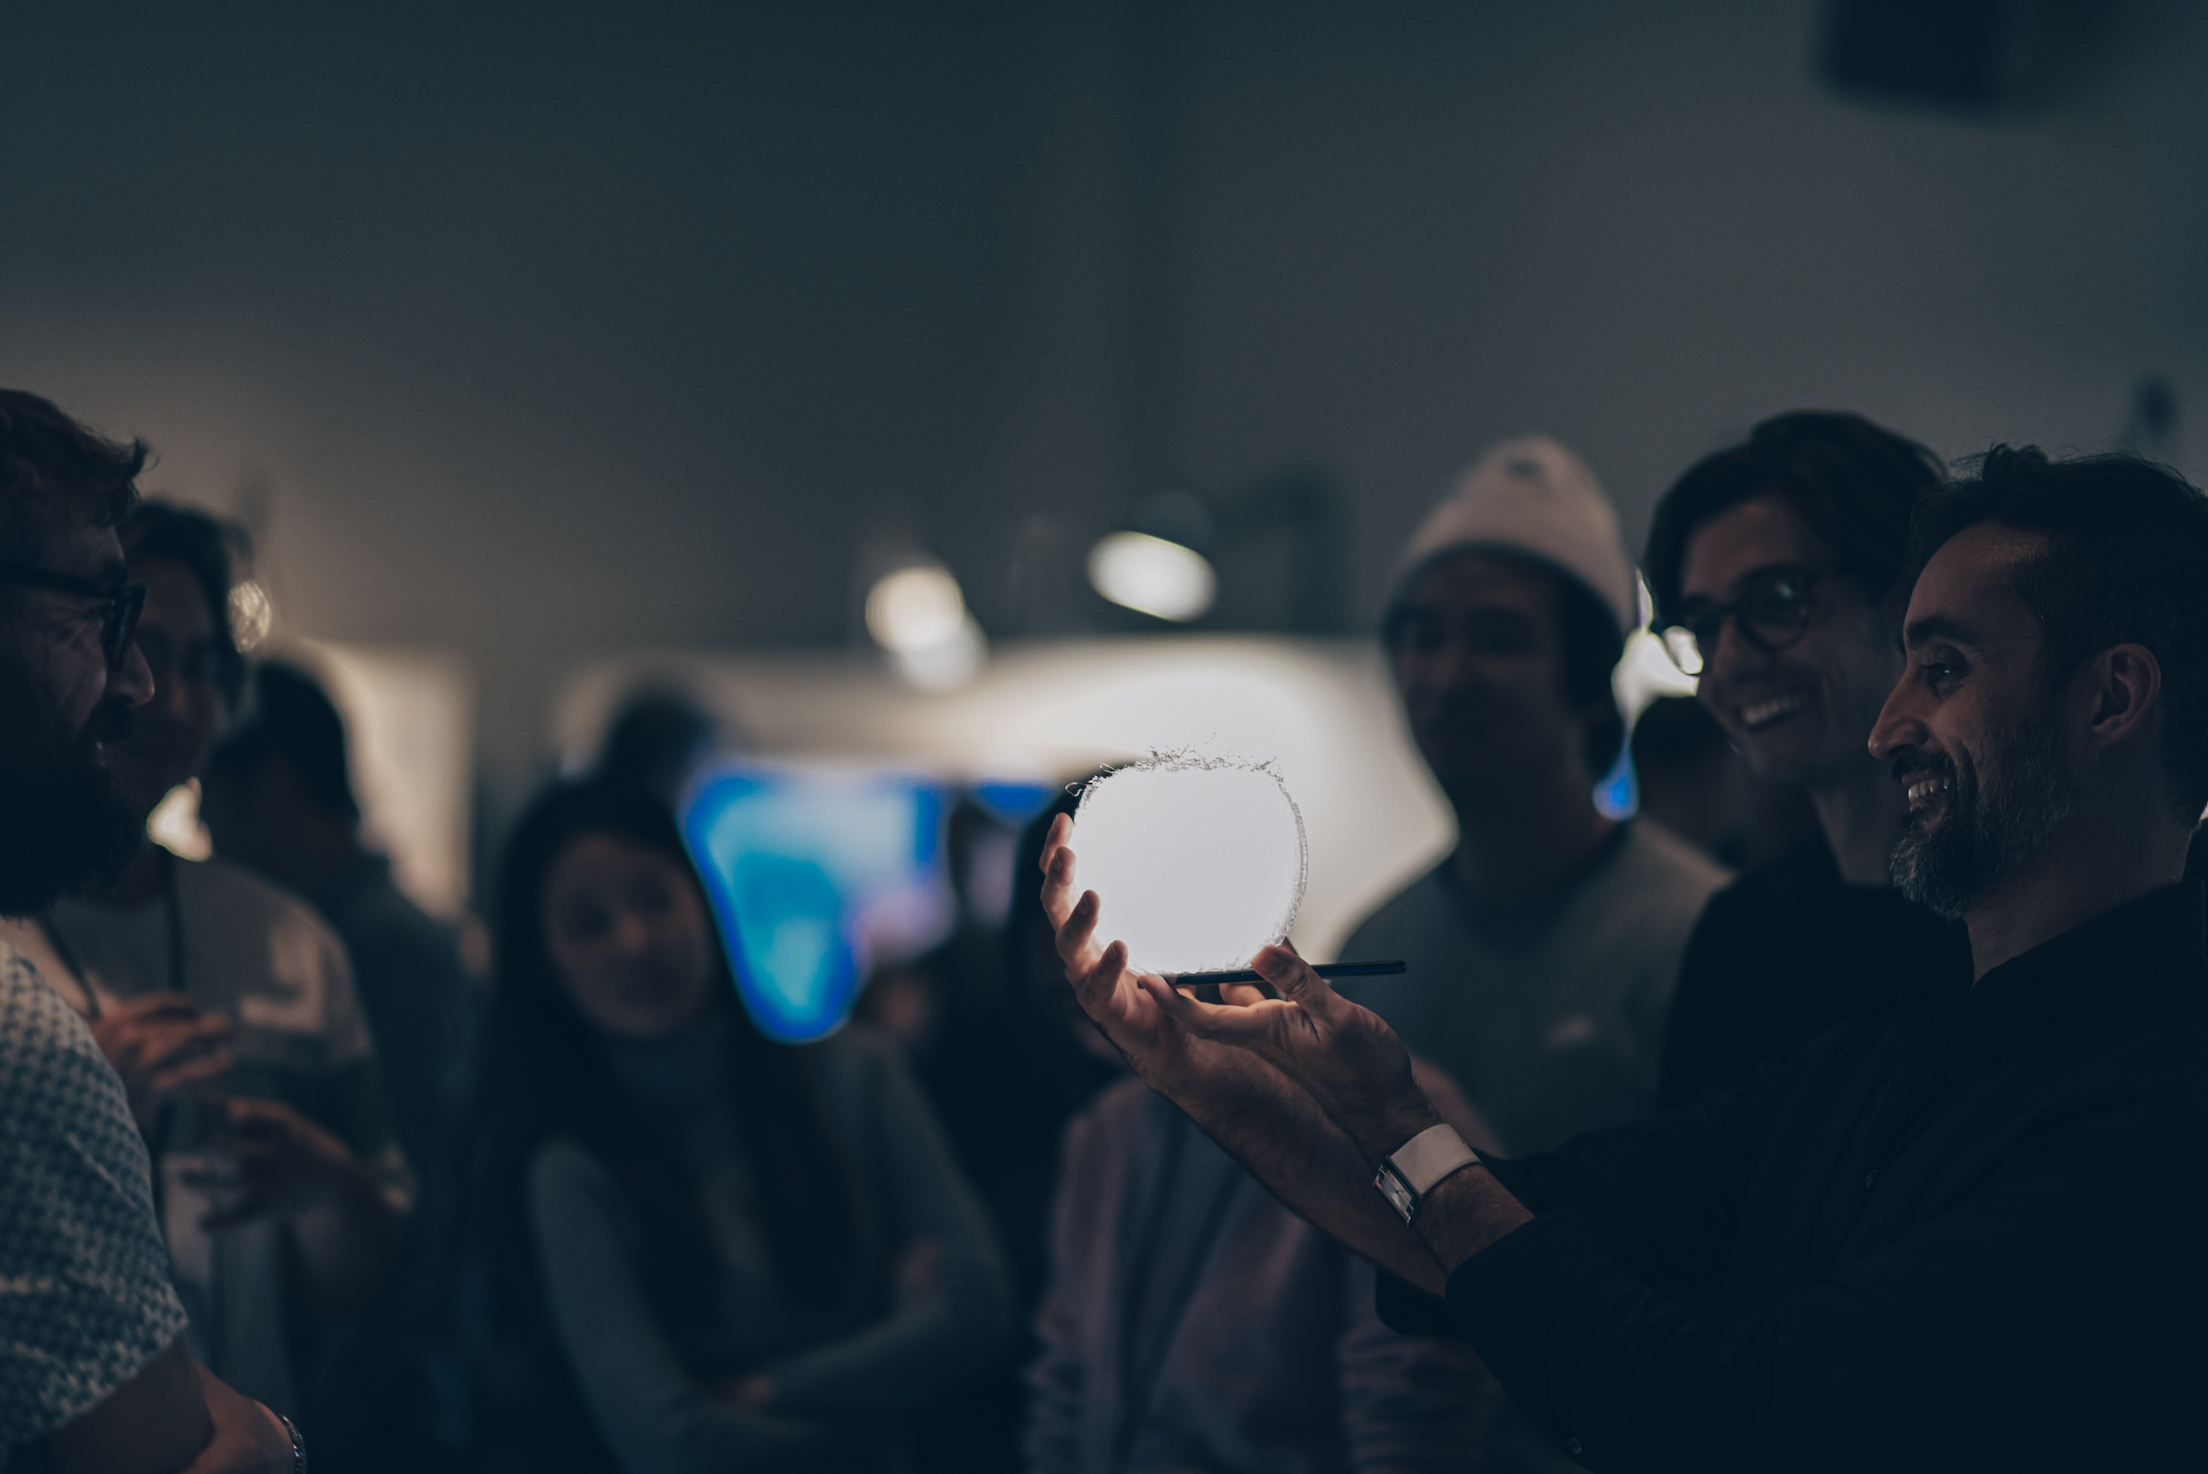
(1340,1052)
(1123,1003)
(1307,1091)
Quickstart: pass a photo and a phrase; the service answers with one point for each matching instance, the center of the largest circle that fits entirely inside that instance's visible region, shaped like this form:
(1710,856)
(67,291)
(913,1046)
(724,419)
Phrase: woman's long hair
(544,1075)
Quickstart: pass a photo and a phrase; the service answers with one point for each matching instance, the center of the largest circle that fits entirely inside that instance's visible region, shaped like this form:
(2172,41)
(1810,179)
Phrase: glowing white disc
(1198,862)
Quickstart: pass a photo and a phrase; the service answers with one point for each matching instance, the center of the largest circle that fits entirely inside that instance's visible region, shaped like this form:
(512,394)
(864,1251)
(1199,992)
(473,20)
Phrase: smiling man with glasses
(1778,568)
(95,1373)
(228,1008)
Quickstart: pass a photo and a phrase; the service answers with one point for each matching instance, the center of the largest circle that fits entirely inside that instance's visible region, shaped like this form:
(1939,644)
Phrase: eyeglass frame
(1808,576)
(119,604)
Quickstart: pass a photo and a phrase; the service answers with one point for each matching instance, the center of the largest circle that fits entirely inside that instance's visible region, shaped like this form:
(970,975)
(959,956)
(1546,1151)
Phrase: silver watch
(298,1444)
(1418,1166)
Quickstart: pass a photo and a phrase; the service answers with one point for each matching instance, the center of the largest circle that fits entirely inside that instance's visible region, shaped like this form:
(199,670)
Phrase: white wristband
(1419,1165)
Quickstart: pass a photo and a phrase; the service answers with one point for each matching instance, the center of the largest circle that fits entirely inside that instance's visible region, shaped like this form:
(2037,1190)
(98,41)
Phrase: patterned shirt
(85,1298)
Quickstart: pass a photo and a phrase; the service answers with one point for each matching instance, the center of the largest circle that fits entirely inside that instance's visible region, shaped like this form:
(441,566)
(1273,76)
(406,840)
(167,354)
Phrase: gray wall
(543,337)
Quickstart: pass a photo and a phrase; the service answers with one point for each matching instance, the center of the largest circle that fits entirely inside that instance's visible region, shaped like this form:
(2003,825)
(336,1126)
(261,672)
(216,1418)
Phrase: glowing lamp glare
(1152,575)
(916,608)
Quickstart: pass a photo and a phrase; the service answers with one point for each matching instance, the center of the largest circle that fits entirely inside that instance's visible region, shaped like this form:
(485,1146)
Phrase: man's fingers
(191,1072)
(1077,934)
(1057,869)
(161,1047)
(1229,1023)
(1061,833)
(1297,982)
(168,1002)
(1093,986)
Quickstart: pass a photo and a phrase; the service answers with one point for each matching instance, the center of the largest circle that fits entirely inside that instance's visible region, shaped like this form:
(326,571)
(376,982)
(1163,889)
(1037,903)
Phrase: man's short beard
(65,826)
(1991,827)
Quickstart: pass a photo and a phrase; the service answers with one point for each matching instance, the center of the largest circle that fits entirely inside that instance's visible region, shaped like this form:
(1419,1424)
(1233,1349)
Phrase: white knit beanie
(1532,496)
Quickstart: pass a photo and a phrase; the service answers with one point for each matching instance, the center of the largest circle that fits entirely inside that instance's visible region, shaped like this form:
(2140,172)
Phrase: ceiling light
(948,663)
(1152,575)
(918,607)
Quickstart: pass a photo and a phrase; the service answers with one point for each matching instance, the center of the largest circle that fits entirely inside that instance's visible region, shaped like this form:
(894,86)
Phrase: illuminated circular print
(1198,861)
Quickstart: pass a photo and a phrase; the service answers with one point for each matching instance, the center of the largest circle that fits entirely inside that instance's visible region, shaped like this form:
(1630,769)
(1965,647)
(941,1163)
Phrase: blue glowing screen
(816,876)
(1013,804)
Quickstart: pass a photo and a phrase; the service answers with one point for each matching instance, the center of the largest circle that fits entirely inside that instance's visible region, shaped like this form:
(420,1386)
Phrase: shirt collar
(2094,968)
(2099,966)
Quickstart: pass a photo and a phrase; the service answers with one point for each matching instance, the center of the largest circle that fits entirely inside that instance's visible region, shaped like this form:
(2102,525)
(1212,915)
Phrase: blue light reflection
(817,876)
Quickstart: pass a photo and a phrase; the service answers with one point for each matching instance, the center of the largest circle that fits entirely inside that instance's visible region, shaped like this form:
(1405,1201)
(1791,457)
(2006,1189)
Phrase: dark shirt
(1961,1231)
(1779,956)
(420,1001)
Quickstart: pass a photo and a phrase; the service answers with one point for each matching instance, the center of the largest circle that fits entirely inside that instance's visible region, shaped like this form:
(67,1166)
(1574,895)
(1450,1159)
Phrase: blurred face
(1479,662)
(1798,714)
(60,705)
(1971,731)
(629,938)
(177,730)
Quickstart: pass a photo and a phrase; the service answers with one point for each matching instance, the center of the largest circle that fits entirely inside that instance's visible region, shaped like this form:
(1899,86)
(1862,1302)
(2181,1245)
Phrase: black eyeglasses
(1771,614)
(119,604)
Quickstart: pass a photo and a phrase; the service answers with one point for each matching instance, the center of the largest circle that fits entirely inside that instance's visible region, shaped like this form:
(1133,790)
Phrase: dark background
(543,333)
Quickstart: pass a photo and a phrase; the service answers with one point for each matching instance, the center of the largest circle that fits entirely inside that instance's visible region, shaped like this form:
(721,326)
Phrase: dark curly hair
(1853,482)
(55,472)
(207,547)
(2126,551)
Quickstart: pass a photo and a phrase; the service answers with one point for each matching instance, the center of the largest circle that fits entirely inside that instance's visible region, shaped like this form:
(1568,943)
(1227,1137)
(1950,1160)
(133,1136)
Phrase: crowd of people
(1858,1124)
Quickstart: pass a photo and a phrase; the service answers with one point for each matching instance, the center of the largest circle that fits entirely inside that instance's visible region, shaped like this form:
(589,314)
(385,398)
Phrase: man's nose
(1899,725)
(133,679)
(1733,653)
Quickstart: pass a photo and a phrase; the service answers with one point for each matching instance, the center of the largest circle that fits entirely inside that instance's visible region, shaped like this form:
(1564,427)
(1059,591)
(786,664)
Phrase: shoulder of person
(1653,858)
(1429,891)
(254,899)
(38,1029)
(85,1292)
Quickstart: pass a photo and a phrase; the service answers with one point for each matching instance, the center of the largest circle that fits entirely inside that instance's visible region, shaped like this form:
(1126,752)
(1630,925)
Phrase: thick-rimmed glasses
(1771,613)
(119,604)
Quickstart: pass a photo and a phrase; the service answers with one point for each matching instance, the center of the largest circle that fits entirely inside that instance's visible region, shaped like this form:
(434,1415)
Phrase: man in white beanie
(1544,951)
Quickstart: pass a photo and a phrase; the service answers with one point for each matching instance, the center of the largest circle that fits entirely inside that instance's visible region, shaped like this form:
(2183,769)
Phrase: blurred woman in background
(751,1256)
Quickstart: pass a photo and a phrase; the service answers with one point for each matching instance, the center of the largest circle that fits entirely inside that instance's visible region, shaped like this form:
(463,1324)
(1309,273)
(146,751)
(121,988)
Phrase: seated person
(751,1256)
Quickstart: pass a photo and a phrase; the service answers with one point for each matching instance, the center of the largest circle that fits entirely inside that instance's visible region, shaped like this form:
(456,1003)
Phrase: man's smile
(1756,715)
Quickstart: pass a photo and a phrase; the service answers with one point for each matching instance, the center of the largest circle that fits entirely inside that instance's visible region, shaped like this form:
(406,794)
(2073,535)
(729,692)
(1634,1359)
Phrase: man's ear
(2122,691)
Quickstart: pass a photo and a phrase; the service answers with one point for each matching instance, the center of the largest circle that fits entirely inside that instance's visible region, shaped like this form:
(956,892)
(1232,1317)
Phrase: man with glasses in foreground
(227,1007)
(1957,1232)
(1779,568)
(95,1373)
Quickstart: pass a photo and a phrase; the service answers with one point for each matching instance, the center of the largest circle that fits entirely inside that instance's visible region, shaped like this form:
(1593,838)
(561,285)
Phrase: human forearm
(1281,1137)
(926,1346)
(174,1417)
(155,1422)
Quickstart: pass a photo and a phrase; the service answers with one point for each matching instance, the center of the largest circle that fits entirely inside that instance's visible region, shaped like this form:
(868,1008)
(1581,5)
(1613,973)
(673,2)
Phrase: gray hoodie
(1192,1322)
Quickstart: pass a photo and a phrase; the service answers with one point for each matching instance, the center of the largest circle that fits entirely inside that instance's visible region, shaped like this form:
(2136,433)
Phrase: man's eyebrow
(1761,570)
(1936,627)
